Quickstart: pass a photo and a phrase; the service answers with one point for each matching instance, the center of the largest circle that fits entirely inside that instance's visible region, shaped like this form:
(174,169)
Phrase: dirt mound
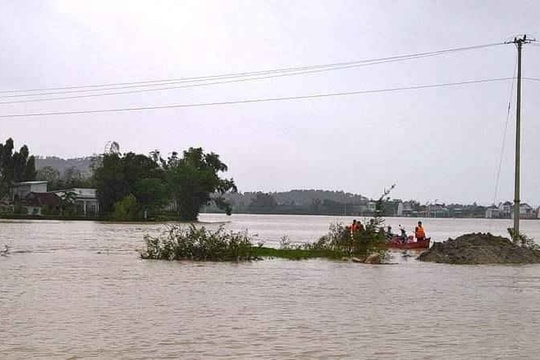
(479,248)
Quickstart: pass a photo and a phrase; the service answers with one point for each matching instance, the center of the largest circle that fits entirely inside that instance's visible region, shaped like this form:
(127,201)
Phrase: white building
(525,212)
(85,199)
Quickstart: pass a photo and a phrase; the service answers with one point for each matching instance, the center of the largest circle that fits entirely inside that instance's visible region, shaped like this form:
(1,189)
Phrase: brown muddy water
(78,290)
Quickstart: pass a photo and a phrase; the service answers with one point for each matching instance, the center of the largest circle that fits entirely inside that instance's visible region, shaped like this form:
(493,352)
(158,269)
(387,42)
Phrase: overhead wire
(201,84)
(246,76)
(191,85)
(259,100)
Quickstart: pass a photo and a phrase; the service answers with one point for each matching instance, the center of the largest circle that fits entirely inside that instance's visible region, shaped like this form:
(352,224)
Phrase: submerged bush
(199,244)
(370,240)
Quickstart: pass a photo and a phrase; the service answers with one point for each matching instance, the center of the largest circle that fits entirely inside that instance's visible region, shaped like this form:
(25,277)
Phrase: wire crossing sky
(283,71)
(251,101)
(337,95)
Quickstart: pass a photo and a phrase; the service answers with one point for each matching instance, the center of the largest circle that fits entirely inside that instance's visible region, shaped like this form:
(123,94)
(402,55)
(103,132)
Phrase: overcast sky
(441,143)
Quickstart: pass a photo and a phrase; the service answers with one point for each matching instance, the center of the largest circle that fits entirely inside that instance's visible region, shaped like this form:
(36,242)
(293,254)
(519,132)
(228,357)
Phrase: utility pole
(518,41)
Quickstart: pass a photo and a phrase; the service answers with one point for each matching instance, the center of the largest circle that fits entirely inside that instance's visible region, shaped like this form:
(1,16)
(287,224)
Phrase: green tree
(110,181)
(67,203)
(152,194)
(126,209)
(262,203)
(15,166)
(194,181)
(117,176)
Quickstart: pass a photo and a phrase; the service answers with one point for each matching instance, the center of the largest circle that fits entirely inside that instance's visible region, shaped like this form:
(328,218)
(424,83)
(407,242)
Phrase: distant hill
(298,202)
(299,197)
(82,164)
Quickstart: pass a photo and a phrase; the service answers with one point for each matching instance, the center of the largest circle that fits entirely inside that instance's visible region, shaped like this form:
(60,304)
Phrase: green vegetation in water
(180,242)
(199,244)
(339,242)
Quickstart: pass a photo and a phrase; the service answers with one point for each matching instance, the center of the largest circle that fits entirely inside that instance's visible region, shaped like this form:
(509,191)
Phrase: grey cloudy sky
(439,143)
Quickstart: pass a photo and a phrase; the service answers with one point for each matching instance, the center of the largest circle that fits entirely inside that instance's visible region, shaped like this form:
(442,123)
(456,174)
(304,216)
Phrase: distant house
(436,210)
(21,189)
(404,209)
(505,210)
(493,212)
(33,196)
(37,203)
(86,202)
(525,212)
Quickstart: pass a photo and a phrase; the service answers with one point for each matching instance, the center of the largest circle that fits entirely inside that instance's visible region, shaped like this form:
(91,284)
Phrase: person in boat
(354,227)
(389,234)
(419,232)
(403,234)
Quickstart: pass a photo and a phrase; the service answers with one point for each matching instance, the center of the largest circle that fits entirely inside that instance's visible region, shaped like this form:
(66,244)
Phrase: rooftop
(22,183)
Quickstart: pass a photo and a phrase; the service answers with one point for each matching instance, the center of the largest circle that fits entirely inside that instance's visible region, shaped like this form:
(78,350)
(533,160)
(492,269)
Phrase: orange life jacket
(420,233)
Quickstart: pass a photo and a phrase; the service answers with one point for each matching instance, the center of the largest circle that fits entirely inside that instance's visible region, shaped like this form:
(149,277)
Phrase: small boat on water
(397,243)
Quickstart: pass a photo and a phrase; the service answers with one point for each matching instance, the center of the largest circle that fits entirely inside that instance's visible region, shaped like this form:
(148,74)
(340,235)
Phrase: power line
(293,70)
(193,85)
(251,101)
(200,84)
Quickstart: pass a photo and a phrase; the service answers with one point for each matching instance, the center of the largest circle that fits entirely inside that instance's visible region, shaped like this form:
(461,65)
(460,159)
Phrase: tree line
(130,186)
(133,186)
(15,166)
(306,202)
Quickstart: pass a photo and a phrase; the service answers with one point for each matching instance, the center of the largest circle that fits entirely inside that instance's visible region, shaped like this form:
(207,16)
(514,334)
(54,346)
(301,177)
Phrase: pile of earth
(479,248)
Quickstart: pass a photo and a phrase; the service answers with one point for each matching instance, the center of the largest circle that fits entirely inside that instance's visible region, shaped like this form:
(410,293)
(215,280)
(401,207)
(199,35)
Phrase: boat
(397,243)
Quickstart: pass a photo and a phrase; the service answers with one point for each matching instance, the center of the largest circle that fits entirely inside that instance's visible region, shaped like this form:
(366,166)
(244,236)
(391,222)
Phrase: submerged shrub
(198,244)
(370,240)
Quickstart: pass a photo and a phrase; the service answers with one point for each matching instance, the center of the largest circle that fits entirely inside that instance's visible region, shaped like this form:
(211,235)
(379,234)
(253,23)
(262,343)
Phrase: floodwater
(78,290)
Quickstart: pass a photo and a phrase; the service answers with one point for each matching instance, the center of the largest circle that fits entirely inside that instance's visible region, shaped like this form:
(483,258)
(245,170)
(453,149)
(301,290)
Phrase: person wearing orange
(354,227)
(419,232)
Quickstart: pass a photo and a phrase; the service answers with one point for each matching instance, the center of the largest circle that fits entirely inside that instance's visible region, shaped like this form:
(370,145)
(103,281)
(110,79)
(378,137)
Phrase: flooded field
(78,290)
